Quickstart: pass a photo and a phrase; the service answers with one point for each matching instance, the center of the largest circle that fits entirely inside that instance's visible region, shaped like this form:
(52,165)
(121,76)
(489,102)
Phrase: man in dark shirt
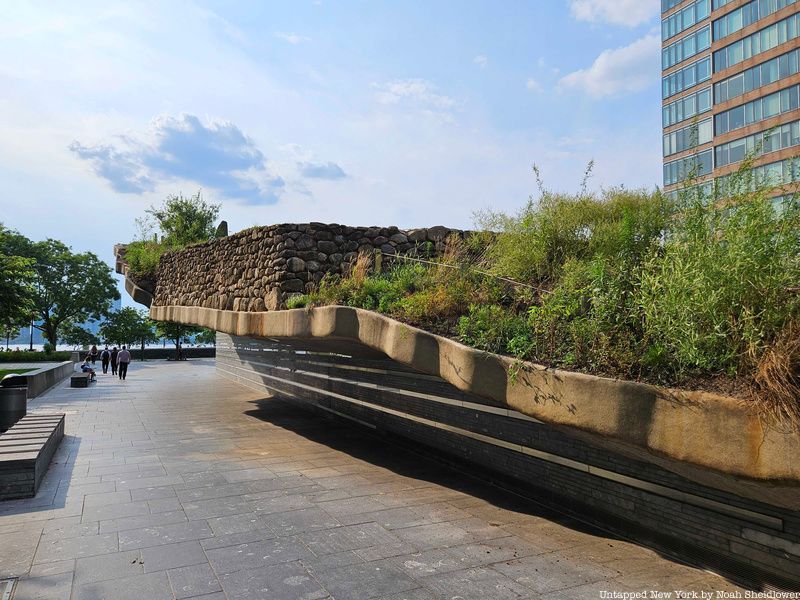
(105,356)
(114,353)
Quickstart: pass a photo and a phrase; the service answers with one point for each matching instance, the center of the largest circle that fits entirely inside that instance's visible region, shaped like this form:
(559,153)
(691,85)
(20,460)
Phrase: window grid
(686,48)
(746,15)
(684,78)
(756,43)
(698,164)
(758,144)
(692,136)
(687,107)
(758,110)
(684,18)
(753,78)
(772,174)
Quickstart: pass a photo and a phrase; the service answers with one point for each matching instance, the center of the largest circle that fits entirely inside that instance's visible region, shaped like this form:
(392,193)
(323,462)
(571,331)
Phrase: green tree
(128,326)
(16,278)
(178,333)
(206,336)
(76,336)
(10,326)
(184,221)
(66,287)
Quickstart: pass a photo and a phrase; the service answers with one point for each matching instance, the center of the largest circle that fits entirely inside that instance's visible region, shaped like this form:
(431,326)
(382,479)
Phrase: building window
(696,165)
(746,15)
(684,18)
(692,136)
(685,48)
(756,43)
(769,175)
(767,72)
(687,107)
(757,110)
(779,138)
(684,78)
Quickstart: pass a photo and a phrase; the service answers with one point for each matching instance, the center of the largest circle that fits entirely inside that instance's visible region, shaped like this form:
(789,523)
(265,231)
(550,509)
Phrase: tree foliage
(181,221)
(184,221)
(65,287)
(77,336)
(178,333)
(128,326)
(16,278)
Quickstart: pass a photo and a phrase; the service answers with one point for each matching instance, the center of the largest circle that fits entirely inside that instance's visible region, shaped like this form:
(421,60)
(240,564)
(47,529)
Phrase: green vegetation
(180,334)
(54,285)
(26,356)
(181,221)
(128,326)
(698,292)
(4,372)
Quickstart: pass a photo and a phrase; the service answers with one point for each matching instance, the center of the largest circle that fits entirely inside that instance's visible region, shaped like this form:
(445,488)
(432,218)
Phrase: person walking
(123,359)
(114,353)
(105,357)
(93,353)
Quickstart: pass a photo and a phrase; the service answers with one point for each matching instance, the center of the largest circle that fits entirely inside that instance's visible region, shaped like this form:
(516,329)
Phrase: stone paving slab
(178,484)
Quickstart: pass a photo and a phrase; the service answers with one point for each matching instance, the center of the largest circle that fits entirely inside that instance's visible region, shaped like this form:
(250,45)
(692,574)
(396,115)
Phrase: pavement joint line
(661,490)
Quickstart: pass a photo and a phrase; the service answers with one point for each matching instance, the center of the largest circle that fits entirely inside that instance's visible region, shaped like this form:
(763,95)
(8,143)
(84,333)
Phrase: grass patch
(4,372)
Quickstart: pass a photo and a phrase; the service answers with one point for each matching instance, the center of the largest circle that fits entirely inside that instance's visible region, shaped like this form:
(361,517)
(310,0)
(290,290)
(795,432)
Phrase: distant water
(62,347)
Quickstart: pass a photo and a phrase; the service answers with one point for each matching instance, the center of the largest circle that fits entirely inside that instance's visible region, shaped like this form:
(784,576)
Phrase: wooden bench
(80,380)
(25,453)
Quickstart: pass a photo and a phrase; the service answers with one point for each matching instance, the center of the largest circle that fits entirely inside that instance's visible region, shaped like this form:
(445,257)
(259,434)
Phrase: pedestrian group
(117,359)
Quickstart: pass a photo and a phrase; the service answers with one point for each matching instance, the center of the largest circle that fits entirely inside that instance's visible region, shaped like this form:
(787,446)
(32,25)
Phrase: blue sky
(403,113)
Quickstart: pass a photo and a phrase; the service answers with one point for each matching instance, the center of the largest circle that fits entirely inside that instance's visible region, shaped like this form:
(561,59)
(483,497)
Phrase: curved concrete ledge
(139,294)
(703,429)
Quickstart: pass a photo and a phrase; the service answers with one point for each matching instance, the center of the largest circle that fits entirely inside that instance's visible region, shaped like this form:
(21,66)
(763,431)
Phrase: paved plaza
(179,484)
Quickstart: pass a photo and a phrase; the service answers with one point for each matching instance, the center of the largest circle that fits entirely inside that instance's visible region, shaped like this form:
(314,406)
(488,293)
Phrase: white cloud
(618,12)
(292,38)
(533,85)
(481,60)
(417,91)
(619,70)
(330,170)
(217,155)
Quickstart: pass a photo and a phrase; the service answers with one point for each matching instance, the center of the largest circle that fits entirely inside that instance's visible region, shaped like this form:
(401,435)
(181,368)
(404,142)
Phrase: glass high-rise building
(730,76)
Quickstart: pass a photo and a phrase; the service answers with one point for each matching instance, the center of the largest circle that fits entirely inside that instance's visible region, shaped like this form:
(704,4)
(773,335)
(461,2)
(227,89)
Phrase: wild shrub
(143,256)
(534,245)
(724,285)
(495,329)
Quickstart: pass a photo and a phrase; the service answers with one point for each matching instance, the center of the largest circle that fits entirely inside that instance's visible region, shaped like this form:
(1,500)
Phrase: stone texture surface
(415,529)
(260,268)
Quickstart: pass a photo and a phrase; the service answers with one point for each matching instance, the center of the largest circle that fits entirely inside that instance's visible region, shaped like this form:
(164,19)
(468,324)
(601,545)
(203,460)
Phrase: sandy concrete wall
(703,429)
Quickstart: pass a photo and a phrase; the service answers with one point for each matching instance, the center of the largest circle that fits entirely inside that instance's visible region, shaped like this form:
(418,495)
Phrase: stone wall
(259,269)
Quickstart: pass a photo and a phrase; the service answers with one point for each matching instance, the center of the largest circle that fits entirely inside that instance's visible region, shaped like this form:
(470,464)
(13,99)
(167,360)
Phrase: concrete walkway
(178,484)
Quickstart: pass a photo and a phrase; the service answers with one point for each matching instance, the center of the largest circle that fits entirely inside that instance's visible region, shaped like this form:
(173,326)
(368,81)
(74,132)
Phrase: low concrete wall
(749,531)
(702,429)
(41,380)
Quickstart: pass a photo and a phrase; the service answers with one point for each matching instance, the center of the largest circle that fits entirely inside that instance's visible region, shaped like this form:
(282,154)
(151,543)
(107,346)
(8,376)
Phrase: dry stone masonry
(260,268)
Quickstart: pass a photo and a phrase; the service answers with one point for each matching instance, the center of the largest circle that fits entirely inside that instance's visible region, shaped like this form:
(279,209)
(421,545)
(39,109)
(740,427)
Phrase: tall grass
(702,291)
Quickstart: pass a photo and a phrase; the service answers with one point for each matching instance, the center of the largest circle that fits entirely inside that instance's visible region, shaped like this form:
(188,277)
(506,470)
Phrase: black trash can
(13,400)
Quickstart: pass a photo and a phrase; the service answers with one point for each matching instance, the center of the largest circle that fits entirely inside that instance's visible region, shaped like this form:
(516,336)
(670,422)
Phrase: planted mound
(695,292)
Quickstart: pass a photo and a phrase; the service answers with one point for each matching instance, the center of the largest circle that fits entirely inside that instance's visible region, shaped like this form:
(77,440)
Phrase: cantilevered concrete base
(712,525)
